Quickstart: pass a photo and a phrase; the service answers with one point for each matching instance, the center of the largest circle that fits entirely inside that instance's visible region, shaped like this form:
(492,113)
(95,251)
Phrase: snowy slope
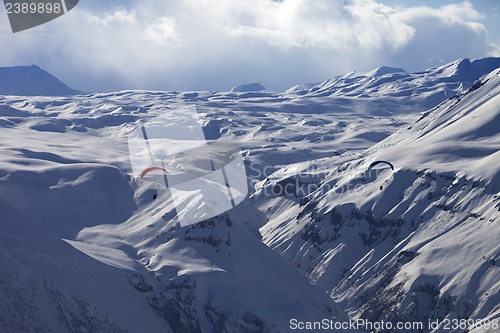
(31,81)
(416,243)
(77,225)
(84,247)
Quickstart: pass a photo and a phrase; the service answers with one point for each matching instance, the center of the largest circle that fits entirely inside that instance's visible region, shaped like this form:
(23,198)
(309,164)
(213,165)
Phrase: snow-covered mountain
(442,82)
(84,247)
(416,243)
(31,81)
(387,90)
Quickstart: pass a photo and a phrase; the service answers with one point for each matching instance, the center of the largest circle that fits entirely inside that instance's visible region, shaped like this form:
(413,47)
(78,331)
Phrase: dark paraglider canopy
(378,162)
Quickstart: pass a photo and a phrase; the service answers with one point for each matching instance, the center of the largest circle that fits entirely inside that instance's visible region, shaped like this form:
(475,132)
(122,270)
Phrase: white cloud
(214,44)
(494,50)
(119,16)
(163,31)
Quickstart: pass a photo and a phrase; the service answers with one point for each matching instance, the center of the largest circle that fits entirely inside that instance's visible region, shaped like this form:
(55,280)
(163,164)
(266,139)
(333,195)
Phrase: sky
(217,44)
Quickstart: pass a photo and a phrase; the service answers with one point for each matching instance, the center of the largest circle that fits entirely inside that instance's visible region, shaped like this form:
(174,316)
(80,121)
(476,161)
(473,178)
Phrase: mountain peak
(249,87)
(31,81)
(379,71)
(383,70)
(467,70)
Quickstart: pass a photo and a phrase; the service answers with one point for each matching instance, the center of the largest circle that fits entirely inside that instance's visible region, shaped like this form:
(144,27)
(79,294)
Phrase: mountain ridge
(392,245)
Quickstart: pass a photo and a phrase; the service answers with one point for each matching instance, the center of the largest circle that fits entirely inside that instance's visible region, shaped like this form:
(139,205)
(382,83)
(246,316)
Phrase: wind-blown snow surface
(83,247)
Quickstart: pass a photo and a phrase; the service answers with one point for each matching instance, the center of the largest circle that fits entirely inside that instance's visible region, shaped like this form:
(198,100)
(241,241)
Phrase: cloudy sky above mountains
(216,44)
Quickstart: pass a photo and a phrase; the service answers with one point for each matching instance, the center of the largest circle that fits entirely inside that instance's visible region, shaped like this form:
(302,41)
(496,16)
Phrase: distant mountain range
(429,87)
(325,233)
(438,83)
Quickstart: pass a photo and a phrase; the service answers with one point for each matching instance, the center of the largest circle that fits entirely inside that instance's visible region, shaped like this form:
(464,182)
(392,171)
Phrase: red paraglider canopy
(148,170)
